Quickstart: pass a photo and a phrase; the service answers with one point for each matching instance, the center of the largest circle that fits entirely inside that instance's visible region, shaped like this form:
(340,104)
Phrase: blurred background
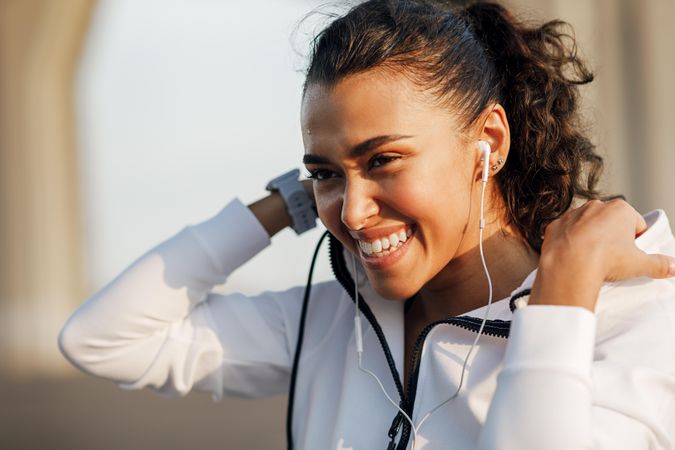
(121,121)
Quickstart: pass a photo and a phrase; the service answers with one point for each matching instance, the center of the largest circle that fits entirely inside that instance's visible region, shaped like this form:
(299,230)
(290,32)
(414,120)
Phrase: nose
(358,204)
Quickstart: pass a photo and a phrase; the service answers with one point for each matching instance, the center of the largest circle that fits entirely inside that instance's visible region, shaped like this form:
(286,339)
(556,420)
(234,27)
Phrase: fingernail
(672,268)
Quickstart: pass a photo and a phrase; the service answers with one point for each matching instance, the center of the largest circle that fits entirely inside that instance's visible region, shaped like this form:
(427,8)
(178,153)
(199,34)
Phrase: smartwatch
(298,204)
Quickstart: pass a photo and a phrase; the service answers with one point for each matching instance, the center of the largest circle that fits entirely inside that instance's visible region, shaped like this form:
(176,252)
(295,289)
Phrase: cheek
(426,192)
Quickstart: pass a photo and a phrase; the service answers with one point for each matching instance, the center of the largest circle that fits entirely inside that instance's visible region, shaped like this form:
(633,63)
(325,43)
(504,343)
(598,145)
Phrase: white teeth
(366,247)
(385,245)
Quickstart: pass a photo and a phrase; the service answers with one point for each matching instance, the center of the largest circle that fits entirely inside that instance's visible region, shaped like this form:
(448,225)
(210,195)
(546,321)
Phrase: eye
(321,174)
(381,160)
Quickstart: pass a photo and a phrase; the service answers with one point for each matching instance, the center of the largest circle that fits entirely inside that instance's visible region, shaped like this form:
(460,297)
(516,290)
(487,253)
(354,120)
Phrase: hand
(589,245)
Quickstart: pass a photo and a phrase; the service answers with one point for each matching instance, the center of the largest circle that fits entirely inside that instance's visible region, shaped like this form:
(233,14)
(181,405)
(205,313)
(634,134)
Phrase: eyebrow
(359,149)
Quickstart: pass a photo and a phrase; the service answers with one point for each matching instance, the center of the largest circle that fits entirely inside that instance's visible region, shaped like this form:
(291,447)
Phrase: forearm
(116,332)
(271,213)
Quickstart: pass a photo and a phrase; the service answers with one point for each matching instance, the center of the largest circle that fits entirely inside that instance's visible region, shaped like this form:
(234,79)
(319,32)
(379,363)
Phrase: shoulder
(636,322)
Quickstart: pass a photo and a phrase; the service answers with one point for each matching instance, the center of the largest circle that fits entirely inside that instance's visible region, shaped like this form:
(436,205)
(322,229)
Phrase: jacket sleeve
(564,387)
(158,324)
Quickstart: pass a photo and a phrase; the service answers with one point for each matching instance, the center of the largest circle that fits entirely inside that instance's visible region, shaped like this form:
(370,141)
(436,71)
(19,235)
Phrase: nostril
(357,217)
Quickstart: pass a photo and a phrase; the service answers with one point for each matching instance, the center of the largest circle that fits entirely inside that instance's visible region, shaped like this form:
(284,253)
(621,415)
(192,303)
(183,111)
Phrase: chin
(397,291)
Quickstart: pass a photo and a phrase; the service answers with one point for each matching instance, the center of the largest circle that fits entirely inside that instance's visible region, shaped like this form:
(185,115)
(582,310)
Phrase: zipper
(393,431)
(495,328)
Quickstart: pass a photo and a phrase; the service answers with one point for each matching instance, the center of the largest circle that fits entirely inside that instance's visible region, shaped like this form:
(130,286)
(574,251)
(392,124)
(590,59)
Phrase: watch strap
(298,204)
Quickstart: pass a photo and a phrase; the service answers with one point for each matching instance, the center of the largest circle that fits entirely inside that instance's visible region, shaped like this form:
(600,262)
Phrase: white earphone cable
(359,352)
(359,334)
(485,316)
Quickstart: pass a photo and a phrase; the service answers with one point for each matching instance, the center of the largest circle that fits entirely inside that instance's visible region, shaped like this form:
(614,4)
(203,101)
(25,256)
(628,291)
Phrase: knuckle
(594,203)
(620,204)
(664,267)
(589,209)
(551,227)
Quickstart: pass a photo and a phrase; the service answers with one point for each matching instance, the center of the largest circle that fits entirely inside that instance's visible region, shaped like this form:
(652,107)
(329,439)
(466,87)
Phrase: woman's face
(393,180)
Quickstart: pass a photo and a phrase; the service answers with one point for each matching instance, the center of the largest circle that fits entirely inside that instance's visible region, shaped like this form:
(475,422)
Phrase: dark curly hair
(473,56)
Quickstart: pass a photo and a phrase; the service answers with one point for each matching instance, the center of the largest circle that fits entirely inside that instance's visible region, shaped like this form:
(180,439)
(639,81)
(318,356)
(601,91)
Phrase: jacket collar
(658,238)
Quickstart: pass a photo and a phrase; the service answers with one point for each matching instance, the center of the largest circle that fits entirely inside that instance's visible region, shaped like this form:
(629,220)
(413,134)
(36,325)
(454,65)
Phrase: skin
(430,181)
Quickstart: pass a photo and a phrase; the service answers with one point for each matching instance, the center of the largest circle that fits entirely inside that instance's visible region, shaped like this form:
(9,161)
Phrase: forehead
(365,105)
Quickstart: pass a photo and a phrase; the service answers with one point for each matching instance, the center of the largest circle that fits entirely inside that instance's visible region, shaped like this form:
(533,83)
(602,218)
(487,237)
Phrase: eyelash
(384,159)
(316,174)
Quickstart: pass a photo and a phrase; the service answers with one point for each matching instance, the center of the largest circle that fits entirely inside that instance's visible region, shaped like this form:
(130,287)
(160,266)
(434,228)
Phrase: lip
(378,233)
(383,262)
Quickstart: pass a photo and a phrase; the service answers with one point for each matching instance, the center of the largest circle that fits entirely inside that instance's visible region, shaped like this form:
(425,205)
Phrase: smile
(386,245)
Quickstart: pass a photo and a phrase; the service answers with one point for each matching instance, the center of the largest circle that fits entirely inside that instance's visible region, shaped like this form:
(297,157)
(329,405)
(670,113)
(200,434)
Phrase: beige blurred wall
(627,42)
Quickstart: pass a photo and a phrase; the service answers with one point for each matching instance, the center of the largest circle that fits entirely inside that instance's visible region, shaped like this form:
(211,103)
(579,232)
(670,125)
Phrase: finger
(656,266)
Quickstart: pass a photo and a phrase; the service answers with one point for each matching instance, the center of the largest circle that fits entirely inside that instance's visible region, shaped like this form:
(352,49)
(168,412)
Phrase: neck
(462,285)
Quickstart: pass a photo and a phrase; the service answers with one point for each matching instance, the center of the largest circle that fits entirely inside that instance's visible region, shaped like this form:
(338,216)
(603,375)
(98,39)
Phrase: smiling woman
(386,159)
(445,155)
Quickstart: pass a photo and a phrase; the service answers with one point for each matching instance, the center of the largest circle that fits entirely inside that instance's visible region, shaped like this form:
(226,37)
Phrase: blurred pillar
(40,249)
(628,44)
(649,65)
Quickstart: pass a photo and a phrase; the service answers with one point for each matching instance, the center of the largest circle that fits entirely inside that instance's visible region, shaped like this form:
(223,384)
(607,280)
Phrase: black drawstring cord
(298,347)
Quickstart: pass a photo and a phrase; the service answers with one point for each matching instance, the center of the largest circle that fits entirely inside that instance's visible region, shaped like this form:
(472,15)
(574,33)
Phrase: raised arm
(561,387)
(153,324)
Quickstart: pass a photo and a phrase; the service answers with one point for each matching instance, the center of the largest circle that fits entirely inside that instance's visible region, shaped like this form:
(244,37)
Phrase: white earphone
(485,150)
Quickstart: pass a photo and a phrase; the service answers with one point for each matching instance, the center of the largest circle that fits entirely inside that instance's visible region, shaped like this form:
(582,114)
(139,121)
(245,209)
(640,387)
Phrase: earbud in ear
(485,152)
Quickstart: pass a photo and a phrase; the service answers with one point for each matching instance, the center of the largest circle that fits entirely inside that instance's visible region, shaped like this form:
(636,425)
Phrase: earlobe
(495,131)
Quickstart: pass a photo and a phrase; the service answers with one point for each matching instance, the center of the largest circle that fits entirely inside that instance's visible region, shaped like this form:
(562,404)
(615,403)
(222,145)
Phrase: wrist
(298,201)
(271,213)
(565,284)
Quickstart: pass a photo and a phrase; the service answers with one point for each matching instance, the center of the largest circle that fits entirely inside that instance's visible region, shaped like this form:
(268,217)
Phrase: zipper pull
(393,431)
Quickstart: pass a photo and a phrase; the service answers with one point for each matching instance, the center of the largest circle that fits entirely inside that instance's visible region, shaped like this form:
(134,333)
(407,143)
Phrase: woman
(445,158)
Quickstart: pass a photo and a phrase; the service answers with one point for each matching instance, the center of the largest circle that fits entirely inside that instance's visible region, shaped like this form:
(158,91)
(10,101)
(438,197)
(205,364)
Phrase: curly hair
(471,57)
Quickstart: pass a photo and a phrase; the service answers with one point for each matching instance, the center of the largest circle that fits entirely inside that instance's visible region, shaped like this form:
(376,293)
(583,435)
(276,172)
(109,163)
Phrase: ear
(495,131)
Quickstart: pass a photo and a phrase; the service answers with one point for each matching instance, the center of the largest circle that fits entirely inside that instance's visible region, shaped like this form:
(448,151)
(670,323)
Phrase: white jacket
(564,379)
